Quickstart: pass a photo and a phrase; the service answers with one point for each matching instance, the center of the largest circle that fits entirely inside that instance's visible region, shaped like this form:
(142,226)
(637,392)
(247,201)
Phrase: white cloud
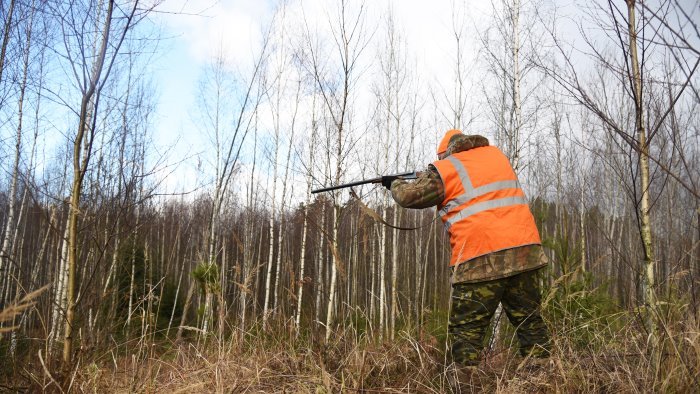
(236,26)
(205,26)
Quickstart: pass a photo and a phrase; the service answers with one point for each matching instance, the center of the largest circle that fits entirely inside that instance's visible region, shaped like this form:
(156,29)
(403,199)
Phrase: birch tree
(632,71)
(11,223)
(90,61)
(393,96)
(229,144)
(305,221)
(510,46)
(7,29)
(335,88)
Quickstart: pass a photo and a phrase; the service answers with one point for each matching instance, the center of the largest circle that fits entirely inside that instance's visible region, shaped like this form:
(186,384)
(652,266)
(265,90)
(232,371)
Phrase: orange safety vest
(484,209)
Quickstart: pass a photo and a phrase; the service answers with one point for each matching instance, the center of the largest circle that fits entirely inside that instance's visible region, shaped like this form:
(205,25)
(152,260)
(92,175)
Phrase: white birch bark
(10,225)
(305,225)
(6,36)
(148,291)
(373,280)
(320,284)
(185,308)
(248,252)
(349,43)
(207,309)
(302,260)
(334,272)
(259,278)
(271,243)
(645,206)
(382,280)
(281,233)
(582,226)
(172,312)
(60,296)
(113,264)
(221,293)
(132,278)
(516,122)
(394,274)
(247,257)
(132,285)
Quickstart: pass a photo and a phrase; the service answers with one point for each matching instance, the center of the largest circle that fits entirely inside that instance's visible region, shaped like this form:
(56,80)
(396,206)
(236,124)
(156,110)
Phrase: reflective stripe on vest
(470,192)
(484,206)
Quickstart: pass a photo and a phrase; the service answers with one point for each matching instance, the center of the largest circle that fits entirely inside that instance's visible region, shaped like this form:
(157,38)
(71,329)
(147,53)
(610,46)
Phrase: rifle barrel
(351,184)
(408,175)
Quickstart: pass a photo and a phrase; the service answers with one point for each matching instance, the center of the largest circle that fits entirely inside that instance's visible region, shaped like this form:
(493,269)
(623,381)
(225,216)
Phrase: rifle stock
(403,175)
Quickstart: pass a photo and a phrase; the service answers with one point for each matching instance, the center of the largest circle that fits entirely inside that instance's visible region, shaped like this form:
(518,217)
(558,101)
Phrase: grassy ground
(278,361)
(596,348)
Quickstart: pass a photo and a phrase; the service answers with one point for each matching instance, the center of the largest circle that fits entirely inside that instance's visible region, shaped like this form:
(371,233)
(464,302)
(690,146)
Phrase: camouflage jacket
(428,191)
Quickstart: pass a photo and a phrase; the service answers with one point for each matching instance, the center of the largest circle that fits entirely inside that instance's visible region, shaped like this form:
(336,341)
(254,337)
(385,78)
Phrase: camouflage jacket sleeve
(426,191)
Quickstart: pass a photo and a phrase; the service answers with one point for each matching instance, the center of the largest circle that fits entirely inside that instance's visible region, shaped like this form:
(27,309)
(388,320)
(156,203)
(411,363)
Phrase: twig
(48,374)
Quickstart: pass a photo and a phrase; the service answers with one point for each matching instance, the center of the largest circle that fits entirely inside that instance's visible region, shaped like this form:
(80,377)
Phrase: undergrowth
(596,347)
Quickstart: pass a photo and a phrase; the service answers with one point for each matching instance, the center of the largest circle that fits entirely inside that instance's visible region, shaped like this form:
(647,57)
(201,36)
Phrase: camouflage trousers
(474,304)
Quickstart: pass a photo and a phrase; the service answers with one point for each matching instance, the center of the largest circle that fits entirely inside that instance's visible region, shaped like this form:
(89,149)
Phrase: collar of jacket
(462,142)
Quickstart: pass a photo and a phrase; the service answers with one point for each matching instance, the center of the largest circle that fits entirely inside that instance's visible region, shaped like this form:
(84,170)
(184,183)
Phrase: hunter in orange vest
(496,251)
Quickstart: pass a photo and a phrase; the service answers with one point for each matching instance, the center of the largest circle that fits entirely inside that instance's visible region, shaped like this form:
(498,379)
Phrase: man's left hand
(386,181)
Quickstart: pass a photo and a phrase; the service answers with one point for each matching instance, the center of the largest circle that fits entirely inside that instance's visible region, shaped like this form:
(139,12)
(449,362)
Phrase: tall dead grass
(607,353)
(277,362)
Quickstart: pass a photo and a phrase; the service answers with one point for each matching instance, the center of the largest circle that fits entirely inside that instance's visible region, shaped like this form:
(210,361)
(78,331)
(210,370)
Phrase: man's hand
(387,180)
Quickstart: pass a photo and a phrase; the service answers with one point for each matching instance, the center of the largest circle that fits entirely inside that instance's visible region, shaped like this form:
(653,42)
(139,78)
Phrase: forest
(128,264)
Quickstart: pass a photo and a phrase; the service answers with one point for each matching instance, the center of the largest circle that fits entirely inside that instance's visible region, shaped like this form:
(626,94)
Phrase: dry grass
(612,358)
(256,362)
(9,313)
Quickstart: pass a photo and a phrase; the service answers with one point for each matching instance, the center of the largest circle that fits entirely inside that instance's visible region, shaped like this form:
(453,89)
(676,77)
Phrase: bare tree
(7,28)
(11,225)
(228,145)
(632,73)
(91,63)
(335,89)
(510,45)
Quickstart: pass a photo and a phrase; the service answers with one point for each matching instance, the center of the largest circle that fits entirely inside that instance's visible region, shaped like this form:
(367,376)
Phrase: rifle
(380,179)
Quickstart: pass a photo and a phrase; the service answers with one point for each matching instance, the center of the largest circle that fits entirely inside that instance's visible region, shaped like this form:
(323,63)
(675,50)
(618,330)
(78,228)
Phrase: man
(496,248)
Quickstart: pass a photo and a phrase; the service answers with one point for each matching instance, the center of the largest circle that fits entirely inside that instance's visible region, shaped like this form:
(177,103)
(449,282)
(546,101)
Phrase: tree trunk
(644,209)
(172,312)
(320,287)
(582,228)
(302,260)
(223,281)
(80,162)
(373,262)
(394,274)
(60,301)
(516,121)
(334,272)
(6,36)
(382,269)
(132,285)
(185,308)
(268,277)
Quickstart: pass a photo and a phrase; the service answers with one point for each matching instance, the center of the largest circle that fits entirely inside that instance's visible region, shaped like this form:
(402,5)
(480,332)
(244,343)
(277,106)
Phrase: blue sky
(200,27)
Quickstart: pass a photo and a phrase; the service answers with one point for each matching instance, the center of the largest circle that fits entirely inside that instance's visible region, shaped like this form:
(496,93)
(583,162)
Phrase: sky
(192,31)
(195,30)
